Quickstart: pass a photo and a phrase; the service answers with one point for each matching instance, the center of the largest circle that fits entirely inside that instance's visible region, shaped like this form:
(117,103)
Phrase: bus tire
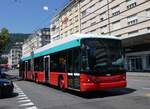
(61,83)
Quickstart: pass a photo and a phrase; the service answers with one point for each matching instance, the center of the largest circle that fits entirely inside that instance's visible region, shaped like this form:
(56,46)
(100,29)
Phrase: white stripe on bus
(76,74)
(70,74)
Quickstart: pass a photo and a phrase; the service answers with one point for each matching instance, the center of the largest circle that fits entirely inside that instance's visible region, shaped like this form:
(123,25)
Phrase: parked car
(6,86)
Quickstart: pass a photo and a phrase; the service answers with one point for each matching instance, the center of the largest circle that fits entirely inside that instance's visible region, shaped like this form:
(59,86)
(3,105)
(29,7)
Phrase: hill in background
(15,37)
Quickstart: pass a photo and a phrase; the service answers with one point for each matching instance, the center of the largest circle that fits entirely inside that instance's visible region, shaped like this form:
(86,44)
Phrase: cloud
(45,8)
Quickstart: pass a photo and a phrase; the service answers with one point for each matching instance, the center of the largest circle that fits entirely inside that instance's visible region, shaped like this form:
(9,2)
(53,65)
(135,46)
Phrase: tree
(4,37)
(4,61)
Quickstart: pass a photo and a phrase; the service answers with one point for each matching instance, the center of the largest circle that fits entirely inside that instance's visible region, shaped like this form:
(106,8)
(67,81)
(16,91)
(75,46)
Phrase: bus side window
(29,65)
(76,60)
(73,60)
(38,64)
(69,61)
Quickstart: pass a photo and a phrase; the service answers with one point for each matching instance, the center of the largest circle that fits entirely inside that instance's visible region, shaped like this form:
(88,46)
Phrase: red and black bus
(83,62)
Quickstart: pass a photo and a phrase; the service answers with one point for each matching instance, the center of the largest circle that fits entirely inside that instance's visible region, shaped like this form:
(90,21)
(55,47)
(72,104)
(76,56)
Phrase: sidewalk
(138,74)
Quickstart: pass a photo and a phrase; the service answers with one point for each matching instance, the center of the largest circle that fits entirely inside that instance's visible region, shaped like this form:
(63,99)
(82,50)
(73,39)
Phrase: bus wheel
(61,84)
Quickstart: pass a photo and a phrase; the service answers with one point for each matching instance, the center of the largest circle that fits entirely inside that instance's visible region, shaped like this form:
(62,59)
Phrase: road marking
(23,100)
(27,104)
(33,107)
(22,95)
(16,86)
(28,100)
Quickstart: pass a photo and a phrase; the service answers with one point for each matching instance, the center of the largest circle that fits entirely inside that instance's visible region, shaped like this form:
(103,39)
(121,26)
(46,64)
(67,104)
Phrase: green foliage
(3,61)
(4,37)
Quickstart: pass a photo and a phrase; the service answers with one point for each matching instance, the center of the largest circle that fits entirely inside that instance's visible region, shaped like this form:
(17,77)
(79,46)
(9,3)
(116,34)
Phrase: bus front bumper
(84,87)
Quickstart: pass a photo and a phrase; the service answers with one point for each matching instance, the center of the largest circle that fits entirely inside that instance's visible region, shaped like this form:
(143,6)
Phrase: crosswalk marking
(22,95)
(27,104)
(23,100)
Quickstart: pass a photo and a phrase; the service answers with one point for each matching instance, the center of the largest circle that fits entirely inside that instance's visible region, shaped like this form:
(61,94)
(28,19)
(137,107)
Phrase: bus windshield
(101,55)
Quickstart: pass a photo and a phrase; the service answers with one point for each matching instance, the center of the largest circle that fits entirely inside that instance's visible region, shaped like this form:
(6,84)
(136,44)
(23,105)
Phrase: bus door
(73,66)
(46,68)
(26,69)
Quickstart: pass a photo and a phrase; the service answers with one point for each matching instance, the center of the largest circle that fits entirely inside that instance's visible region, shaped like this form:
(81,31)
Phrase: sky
(26,16)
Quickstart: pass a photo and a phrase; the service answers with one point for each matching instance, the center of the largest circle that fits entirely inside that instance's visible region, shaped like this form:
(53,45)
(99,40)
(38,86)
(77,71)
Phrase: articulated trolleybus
(82,62)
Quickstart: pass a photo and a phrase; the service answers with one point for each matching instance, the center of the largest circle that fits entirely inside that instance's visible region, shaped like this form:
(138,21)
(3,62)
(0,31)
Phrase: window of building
(83,14)
(76,29)
(91,8)
(103,29)
(148,13)
(133,33)
(70,13)
(76,8)
(131,3)
(103,16)
(115,10)
(71,30)
(71,21)
(93,31)
(148,29)
(76,18)
(132,20)
(102,2)
(82,1)
(116,25)
(93,23)
(148,60)
(83,23)
(66,34)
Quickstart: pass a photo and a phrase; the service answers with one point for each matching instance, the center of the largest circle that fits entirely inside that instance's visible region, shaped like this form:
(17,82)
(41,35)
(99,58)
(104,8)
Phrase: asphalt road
(29,95)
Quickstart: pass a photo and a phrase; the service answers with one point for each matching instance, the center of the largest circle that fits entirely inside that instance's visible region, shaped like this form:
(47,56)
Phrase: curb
(145,74)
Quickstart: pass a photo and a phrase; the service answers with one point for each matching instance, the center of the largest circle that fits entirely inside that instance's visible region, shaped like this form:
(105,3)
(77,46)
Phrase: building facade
(15,55)
(70,19)
(127,19)
(66,22)
(36,40)
(55,28)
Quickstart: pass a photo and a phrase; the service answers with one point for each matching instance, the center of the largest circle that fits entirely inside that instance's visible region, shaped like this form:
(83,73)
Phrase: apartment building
(36,40)
(70,19)
(127,19)
(15,55)
(55,28)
